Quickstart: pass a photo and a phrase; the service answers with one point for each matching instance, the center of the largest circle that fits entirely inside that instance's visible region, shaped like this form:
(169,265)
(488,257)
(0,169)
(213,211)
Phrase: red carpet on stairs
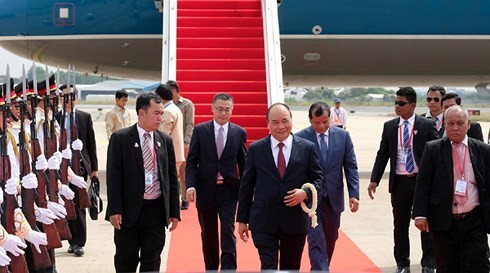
(220,48)
(185,254)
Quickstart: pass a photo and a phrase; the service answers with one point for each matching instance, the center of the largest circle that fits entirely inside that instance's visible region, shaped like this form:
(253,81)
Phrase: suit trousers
(78,227)
(463,248)
(322,239)
(142,242)
(279,248)
(223,206)
(402,202)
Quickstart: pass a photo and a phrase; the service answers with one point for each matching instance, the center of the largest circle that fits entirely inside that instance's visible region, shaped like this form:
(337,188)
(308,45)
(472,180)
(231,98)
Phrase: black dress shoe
(71,249)
(402,269)
(428,269)
(78,251)
(184,205)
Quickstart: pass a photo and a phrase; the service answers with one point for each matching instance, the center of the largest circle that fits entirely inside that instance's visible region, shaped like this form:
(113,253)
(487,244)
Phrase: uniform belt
(463,215)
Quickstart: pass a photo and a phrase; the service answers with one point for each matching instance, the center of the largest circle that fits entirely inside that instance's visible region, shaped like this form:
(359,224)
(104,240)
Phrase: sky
(14,62)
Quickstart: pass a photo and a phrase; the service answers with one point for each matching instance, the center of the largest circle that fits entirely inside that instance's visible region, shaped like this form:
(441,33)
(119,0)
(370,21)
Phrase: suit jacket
(203,164)
(126,175)
(262,190)
(424,130)
(86,134)
(434,189)
(340,155)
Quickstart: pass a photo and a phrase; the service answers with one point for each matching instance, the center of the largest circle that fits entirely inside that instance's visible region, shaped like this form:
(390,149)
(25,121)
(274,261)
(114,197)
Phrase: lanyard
(409,140)
(458,165)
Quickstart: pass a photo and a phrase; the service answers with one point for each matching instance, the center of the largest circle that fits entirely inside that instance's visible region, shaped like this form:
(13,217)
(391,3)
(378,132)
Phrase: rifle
(69,205)
(18,263)
(61,224)
(83,199)
(40,260)
(51,231)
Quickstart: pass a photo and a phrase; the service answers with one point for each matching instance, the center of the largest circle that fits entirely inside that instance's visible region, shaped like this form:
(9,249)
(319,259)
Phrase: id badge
(148,178)
(403,159)
(460,188)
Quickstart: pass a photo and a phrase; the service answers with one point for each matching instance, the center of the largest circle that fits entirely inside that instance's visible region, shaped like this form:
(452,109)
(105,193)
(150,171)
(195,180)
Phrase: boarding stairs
(220,48)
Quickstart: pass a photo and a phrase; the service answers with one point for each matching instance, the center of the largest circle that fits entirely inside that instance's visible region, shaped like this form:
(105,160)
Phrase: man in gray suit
(336,153)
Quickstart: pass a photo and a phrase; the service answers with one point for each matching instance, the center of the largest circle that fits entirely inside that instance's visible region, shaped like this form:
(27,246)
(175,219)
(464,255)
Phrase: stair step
(247,88)
(239,108)
(219,22)
(220,53)
(218,4)
(220,42)
(219,12)
(198,32)
(244,121)
(215,64)
(207,97)
(221,75)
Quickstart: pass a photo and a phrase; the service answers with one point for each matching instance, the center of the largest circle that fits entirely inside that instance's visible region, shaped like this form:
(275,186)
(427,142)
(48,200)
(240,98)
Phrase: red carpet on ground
(185,254)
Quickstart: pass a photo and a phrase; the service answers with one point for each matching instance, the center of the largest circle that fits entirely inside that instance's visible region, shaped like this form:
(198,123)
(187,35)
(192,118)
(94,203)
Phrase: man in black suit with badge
(402,143)
(142,188)
(452,199)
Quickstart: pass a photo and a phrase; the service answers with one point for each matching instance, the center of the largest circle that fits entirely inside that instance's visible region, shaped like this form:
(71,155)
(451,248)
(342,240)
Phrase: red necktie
(281,161)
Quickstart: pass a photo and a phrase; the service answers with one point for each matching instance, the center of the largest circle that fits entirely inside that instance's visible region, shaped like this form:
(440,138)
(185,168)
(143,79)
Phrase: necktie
(67,127)
(281,160)
(458,165)
(323,149)
(147,154)
(220,142)
(407,149)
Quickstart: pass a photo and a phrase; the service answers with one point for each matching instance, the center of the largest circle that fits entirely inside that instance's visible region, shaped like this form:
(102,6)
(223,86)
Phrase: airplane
(327,43)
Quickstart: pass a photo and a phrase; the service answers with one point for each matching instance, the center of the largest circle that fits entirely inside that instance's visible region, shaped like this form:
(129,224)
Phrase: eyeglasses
(436,99)
(221,110)
(401,103)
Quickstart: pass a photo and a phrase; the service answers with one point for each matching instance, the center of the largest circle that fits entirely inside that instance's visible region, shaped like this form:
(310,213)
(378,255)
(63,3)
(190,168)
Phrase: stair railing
(169,40)
(272,47)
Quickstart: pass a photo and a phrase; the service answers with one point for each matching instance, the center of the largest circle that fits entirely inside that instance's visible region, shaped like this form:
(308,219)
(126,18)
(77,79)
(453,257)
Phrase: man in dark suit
(337,155)
(142,188)
(271,192)
(451,99)
(434,103)
(450,194)
(86,135)
(402,142)
(214,168)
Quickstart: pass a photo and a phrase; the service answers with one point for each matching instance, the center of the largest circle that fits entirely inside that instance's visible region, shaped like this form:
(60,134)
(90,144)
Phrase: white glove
(54,163)
(11,186)
(29,181)
(4,258)
(66,192)
(57,209)
(37,238)
(41,163)
(14,245)
(78,181)
(1,196)
(45,216)
(77,145)
(58,155)
(66,153)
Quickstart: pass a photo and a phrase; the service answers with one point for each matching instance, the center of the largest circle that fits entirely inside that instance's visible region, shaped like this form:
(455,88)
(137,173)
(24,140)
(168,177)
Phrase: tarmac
(370,228)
